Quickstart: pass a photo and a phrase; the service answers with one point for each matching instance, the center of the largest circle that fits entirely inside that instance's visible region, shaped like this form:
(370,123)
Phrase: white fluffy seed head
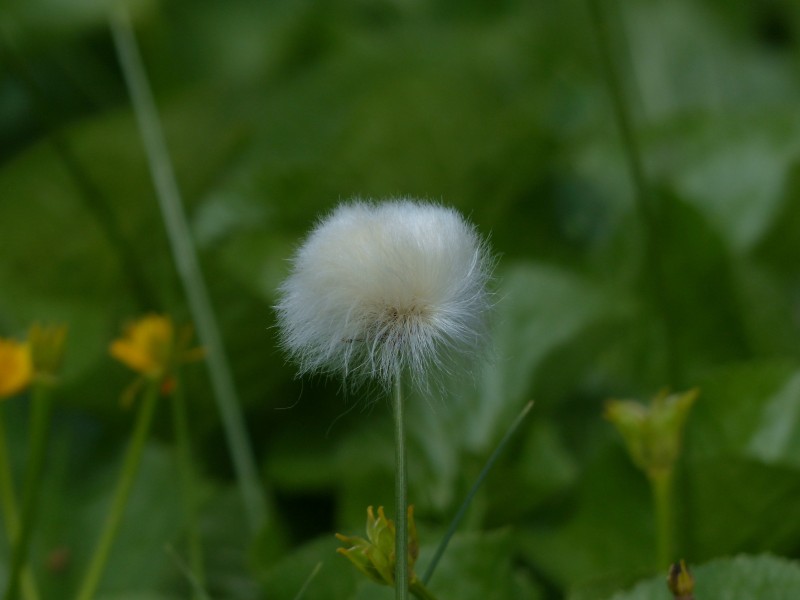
(381,288)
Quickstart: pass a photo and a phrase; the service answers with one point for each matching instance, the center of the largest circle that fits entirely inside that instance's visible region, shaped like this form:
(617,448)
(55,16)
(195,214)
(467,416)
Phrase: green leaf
(539,471)
(335,580)
(70,527)
(137,596)
(743,458)
(61,259)
(738,578)
(733,170)
(42,20)
(741,505)
(610,534)
(541,308)
(480,566)
(751,410)
(686,57)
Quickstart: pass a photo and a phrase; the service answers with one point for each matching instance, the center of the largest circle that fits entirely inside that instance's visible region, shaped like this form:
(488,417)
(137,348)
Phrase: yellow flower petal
(147,345)
(16,368)
(151,346)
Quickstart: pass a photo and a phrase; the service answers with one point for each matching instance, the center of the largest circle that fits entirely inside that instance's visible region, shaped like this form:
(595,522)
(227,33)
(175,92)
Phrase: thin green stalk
(474,490)
(643,194)
(661,485)
(8,505)
(188,485)
(185,257)
(8,500)
(37,450)
(302,591)
(130,467)
(400,494)
(198,589)
(622,114)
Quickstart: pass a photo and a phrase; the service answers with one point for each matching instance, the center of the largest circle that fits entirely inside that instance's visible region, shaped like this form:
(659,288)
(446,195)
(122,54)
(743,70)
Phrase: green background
(276,111)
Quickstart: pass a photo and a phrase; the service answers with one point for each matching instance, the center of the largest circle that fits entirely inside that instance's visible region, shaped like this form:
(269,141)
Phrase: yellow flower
(150,346)
(16,367)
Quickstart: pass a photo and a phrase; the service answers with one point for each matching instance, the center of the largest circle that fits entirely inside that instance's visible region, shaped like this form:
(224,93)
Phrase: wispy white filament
(381,288)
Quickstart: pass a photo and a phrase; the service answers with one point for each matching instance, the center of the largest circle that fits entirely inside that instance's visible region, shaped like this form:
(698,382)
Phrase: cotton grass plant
(377,290)
(384,292)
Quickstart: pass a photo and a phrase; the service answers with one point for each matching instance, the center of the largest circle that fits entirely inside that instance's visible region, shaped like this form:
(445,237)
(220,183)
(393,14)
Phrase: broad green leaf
(336,579)
(738,578)
(685,57)
(480,566)
(733,170)
(540,309)
(767,304)
(86,283)
(742,458)
(740,505)
(610,534)
(137,596)
(539,471)
(41,20)
(779,246)
(749,410)
(70,527)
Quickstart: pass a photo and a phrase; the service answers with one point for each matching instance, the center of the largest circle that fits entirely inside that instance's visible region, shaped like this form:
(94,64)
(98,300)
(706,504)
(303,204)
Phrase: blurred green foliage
(276,111)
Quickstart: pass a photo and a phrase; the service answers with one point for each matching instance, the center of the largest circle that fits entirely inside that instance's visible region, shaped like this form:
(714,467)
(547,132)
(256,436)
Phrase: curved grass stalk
(307,582)
(197,586)
(8,506)
(189,488)
(645,201)
(474,490)
(37,449)
(130,468)
(188,267)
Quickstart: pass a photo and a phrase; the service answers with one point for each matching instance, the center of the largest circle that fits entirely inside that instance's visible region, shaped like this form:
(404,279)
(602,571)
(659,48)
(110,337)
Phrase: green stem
(401,494)
(8,505)
(188,485)
(474,490)
(8,501)
(37,450)
(661,484)
(188,266)
(130,467)
(420,591)
(643,195)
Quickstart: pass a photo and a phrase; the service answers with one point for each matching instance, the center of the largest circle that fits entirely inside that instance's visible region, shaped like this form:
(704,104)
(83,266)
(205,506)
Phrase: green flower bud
(680,581)
(375,556)
(47,350)
(652,433)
